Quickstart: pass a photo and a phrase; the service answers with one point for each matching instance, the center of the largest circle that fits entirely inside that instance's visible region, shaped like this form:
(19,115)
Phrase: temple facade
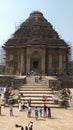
(36,46)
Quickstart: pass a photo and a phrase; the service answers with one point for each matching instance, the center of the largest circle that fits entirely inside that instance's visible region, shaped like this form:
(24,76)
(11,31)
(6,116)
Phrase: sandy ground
(62,119)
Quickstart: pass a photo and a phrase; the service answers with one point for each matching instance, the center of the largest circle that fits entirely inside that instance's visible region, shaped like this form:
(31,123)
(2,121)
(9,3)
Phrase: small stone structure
(12,81)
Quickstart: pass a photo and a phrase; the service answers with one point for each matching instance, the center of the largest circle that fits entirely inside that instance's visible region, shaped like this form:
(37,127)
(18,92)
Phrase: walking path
(62,119)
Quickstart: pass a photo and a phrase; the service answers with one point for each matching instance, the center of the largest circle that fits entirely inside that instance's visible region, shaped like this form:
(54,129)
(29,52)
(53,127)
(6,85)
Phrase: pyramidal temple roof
(36,30)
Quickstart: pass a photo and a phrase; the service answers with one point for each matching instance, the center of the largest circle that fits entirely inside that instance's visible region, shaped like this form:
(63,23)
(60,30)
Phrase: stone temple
(36,46)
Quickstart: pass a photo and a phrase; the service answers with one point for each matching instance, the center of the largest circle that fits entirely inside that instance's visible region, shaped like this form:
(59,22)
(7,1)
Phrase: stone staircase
(35,92)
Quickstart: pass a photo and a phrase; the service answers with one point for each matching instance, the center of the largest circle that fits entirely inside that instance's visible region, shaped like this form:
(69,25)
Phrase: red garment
(46,98)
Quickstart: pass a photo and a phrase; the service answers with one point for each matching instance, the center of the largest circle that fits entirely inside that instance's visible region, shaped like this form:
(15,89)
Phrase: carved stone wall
(36,45)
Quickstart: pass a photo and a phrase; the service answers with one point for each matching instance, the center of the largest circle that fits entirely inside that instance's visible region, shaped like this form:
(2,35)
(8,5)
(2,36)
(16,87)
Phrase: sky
(58,12)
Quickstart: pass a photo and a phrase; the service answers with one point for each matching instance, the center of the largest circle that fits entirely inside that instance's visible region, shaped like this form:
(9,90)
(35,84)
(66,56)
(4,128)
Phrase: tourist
(22,128)
(26,127)
(19,96)
(40,78)
(49,112)
(36,113)
(29,102)
(45,110)
(29,112)
(36,79)
(20,106)
(18,101)
(23,104)
(30,125)
(11,109)
(0,109)
(45,98)
(40,110)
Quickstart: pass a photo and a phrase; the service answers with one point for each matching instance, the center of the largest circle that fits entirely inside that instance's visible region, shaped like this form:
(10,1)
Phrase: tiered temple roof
(34,30)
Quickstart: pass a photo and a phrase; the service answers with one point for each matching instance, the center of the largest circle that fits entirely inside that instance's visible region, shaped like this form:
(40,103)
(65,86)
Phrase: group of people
(44,112)
(29,73)
(38,78)
(21,104)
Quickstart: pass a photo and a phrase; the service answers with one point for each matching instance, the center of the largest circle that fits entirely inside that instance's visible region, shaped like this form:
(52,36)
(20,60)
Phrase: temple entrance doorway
(35,65)
(35,62)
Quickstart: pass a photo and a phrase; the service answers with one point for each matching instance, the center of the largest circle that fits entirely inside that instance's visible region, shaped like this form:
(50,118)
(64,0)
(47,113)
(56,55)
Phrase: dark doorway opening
(35,64)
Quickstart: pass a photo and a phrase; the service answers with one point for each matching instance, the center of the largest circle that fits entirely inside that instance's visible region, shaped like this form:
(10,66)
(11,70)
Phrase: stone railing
(66,81)
(18,81)
(12,81)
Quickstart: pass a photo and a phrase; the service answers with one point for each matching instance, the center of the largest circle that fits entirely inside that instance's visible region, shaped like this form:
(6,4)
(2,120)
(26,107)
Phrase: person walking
(20,106)
(11,109)
(29,112)
(30,125)
(23,104)
(45,110)
(27,104)
(0,109)
(36,113)
(26,127)
(49,112)
(29,101)
(40,110)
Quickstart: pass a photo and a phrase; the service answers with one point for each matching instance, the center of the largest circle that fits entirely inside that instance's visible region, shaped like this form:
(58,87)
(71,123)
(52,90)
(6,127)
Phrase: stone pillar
(43,61)
(22,61)
(28,60)
(64,61)
(50,61)
(11,65)
(60,62)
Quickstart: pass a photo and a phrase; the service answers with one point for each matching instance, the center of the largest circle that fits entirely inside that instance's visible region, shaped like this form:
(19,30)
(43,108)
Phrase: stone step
(36,98)
(36,92)
(33,79)
(33,89)
(35,85)
(36,95)
(30,80)
(41,105)
(40,82)
(40,102)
